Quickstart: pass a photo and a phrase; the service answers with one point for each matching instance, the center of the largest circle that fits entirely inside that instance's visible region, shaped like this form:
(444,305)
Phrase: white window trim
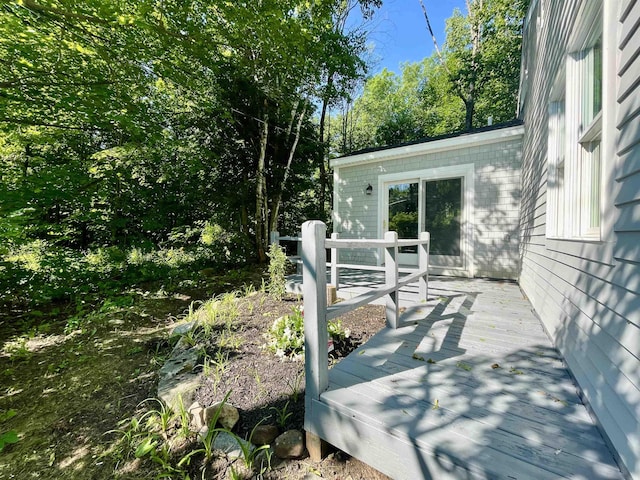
(569,210)
(556,149)
(601,250)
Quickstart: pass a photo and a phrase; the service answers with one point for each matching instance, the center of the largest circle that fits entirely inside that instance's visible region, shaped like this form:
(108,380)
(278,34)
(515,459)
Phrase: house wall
(587,293)
(496,200)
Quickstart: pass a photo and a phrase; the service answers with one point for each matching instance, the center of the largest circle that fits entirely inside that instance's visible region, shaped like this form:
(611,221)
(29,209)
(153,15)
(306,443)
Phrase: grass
(91,369)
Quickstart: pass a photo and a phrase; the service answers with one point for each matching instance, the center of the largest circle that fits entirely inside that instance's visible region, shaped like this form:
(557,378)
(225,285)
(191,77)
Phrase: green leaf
(7,415)
(464,366)
(147,446)
(8,438)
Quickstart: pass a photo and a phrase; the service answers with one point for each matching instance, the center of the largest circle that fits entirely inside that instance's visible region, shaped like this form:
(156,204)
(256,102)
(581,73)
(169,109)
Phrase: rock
(264,434)
(230,445)
(180,362)
(202,433)
(170,388)
(228,417)
(182,329)
(196,411)
(290,445)
(181,297)
(175,378)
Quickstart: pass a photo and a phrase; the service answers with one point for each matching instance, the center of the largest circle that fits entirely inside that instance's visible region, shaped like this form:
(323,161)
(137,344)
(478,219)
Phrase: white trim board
(431,146)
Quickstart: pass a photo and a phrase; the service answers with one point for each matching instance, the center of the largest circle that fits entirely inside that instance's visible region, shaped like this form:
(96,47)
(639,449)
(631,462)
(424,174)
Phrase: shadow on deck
(469,387)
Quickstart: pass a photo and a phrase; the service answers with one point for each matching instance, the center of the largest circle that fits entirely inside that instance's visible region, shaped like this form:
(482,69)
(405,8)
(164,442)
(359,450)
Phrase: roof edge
(484,136)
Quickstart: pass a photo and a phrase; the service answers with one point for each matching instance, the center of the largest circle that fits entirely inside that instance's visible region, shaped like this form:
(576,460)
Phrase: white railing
(336,267)
(314,288)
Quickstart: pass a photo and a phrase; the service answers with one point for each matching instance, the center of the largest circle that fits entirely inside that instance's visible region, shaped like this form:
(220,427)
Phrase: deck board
(427,395)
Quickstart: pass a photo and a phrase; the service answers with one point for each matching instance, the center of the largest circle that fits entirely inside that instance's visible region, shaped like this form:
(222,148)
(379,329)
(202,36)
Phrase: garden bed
(70,388)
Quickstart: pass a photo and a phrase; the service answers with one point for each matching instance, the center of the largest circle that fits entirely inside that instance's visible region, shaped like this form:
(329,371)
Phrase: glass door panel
(403,212)
(443,220)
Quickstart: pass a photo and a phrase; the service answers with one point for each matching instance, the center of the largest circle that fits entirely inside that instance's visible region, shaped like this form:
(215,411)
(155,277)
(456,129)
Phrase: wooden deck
(470,388)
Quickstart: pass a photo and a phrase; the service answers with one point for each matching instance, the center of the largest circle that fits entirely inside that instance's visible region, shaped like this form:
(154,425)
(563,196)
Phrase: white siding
(587,293)
(496,201)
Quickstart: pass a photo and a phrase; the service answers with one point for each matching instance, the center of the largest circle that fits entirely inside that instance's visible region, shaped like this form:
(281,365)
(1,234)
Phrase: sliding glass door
(432,205)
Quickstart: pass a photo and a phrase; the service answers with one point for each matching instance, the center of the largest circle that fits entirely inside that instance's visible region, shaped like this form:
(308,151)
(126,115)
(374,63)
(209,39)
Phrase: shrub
(211,233)
(38,271)
(286,335)
(277,271)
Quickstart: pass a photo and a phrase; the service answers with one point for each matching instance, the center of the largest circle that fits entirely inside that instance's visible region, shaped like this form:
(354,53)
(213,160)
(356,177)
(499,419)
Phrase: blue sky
(399,31)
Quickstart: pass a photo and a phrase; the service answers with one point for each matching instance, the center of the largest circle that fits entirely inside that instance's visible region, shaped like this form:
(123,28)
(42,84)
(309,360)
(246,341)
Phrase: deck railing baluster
(423,265)
(335,270)
(391,278)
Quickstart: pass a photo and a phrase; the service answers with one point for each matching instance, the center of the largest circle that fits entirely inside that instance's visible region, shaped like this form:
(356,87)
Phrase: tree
(481,57)
(343,70)
(474,76)
(124,121)
(284,82)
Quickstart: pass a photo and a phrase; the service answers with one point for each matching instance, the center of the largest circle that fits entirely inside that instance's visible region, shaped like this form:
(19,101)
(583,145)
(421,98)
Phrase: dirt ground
(69,390)
(262,384)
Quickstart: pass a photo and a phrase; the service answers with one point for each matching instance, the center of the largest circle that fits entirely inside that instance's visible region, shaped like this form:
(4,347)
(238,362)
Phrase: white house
(580,210)
(464,189)
(552,201)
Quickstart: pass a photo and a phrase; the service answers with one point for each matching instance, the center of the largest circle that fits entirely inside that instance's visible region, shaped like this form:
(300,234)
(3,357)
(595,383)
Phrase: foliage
(482,58)
(337,331)
(140,438)
(38,272)
(277,271)
(10,436)
(295,387)
(128,124)
(251,454)
(286,334)
(476,77)
(282,415)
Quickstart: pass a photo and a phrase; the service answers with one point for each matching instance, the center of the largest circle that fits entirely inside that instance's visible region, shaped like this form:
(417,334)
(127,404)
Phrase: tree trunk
(323,154)
(474,24)
(469,107)
(25,166)
(344,128)
(261,194)
(273,225)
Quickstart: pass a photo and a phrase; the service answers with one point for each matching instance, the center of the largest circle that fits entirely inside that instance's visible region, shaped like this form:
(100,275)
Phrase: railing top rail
(374,268)
(372,243)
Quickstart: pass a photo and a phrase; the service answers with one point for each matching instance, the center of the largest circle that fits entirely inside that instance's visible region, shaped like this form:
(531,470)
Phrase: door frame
(466,172)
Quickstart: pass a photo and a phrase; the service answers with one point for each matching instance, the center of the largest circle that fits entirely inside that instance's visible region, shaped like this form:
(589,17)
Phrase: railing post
(335,271)
(423,265)
(314,289)
(274,237)
(391,278)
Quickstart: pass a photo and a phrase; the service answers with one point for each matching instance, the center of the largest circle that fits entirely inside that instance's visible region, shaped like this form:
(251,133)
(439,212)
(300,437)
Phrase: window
(590,135)
(574,133)
(556,175)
